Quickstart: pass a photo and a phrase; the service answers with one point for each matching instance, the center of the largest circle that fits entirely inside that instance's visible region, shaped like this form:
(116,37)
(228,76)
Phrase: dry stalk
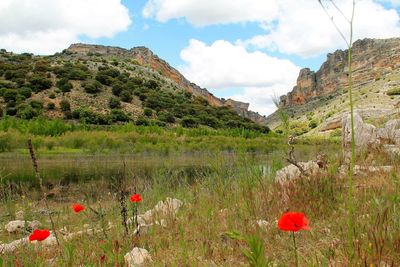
(42,189)
(291,157)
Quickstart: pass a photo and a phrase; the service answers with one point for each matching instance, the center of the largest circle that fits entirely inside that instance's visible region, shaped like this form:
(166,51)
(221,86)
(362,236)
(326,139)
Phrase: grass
(230,198)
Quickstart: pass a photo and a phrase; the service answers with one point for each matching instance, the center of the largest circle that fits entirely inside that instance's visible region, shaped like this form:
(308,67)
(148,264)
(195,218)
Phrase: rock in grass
(18,225)
(137,257)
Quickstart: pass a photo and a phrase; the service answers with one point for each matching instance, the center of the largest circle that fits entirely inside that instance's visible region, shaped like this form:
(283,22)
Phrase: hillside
(106,85)
(319,99)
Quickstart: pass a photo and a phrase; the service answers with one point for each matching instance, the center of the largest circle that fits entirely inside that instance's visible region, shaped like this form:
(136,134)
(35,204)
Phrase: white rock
(18,225)
(291,172)
(137,257)
(12,246)
(364,134)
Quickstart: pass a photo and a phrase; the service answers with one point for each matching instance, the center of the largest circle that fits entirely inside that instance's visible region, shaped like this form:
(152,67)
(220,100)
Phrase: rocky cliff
(147,58)
(319,99)
(372,58)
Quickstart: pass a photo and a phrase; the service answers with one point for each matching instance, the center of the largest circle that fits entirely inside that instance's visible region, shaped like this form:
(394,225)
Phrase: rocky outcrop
(243,110)
(147,58)
(367,135)
(372,58)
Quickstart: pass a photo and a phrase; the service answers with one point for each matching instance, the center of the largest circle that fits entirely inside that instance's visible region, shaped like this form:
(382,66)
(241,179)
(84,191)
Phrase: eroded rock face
(371,59)
(137,257)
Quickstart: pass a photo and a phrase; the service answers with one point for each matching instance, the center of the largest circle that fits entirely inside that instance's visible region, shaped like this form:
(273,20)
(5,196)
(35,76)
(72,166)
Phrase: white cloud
(207,12)
(304,29)
(225,65)
(298,27)
(48,26)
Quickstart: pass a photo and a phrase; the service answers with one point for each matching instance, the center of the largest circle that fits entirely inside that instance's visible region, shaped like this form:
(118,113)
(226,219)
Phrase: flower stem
(295,249)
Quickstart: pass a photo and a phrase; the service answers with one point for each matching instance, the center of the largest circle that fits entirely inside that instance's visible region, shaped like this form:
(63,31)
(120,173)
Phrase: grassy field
(231,194)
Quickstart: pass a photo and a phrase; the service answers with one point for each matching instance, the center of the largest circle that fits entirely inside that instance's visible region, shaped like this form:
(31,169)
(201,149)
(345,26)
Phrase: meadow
(226,181)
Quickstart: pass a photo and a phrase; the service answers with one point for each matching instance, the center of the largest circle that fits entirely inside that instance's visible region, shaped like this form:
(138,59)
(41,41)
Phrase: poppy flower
(135,198)
(77,208)
(39,235)
(293,221)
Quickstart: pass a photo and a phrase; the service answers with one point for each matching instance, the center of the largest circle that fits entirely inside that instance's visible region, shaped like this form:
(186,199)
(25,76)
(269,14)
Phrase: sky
(247,50)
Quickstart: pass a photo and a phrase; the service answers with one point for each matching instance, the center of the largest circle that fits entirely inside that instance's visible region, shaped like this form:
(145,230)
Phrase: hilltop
(318,100)
(98,84)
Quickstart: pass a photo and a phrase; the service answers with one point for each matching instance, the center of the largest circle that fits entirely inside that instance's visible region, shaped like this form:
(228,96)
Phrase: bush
(52,96)
(51,106)
(313,124)
(64,85)
(10,95)
(117,88)
(114,103)
(39,83)
(36,104)
(65,105)
(148,112)
(27,112)
(166,117)
(119,115)
(394,91)
(104,79)
(126,96)
(25,91)
(189,122)
(142,121)
(93,87)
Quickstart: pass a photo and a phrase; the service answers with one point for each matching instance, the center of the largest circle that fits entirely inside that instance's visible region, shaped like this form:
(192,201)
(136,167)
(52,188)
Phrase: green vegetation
(394,91)
(82,87)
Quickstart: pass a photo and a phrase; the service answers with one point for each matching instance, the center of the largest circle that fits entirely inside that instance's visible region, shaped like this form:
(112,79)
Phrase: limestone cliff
(372,58)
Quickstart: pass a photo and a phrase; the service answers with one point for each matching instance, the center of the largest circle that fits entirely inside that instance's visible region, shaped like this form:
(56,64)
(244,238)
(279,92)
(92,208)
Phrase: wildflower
(77,208)
(135,198)
(39,235)
(293,221)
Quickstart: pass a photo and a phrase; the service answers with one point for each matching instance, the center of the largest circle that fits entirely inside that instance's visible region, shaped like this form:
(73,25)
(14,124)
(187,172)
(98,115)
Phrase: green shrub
(25,91)
(166,117)
(126,96)
(64,85)
(52,95)
(142,121)
(93,87)
(119,115)
(51,106)
(27,112)
(189,122)
(148,112)
(65,105)
(394,91)
(114,103)
(313,124)
(39,83)
(10,95)
(36,104)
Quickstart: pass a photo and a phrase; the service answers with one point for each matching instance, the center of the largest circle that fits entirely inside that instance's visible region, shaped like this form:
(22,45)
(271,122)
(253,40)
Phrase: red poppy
(77,208)
(39,235)
(135,198)
(293,221)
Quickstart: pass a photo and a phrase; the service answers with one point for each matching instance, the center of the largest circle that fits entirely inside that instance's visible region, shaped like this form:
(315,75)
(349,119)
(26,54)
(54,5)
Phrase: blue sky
(249,50)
